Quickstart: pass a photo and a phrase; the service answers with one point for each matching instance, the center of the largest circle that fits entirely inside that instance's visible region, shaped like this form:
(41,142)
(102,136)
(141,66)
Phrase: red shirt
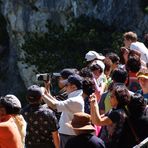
(9,133)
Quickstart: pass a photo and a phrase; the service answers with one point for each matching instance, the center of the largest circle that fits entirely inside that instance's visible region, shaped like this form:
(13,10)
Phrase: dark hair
(108,64)
(136,105)
(96,67)
(119,75)
(122,95)
(113,57)
(85,72)
(133,64)
(88,86)
(76,80)
(10,109)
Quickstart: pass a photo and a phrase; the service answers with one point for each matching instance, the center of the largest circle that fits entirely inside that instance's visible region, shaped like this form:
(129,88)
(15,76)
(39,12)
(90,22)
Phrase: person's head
(108,67)
(97,67)
(142,76)
(9,104)
(119,96)
(137,105)
(88,87)
(34,94)
(93,55)
(129,37)
(73,83)
(119,75)
(124,53)
(64,74)
(114,58)
(86,72)
(81,123)
(133,64)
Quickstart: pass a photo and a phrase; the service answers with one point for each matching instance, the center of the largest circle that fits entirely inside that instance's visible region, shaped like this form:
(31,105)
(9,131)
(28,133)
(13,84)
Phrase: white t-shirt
(74,103)
(138,46)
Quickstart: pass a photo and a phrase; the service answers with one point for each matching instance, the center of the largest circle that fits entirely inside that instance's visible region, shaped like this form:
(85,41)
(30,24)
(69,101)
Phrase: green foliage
(144,6)
(60,47)
(146,9)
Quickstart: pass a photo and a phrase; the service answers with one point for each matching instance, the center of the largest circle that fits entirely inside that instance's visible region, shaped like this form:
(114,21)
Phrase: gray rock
(31,15)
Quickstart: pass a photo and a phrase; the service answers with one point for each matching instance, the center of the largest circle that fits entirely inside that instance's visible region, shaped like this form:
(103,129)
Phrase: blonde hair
(130,36)
(21,125)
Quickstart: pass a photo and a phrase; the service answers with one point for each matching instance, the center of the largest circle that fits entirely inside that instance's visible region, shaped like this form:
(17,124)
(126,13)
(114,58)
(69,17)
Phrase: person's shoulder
(116,114)
(46,109)
(97,141)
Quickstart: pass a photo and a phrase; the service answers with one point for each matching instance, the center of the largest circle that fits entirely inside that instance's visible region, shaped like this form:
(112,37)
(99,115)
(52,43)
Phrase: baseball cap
(76,80)
(34,93)
(97,63)
(92,55)
(65,73)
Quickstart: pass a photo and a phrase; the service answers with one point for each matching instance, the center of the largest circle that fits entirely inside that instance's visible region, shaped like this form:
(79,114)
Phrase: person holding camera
(62,94)
(74,103)
(42,125)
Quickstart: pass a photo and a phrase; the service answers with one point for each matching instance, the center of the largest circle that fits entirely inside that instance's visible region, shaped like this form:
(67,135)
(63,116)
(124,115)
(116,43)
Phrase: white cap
(91,55)
(141,48)
(98,62)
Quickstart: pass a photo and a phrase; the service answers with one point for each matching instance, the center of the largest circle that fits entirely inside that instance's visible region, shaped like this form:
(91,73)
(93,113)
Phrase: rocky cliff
(22,16)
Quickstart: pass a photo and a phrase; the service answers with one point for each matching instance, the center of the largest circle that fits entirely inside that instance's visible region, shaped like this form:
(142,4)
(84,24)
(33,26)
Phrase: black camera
(43,77)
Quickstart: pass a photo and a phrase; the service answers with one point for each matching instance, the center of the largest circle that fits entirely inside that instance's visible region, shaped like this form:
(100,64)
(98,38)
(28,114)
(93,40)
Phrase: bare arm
(50,101)
(56,139)
(98,119)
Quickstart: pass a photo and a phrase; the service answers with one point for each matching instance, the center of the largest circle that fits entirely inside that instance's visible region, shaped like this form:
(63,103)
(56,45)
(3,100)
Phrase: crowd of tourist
(103,105)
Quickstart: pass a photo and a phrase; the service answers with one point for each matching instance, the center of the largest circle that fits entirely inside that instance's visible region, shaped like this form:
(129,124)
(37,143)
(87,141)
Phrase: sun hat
(143,73)
(81,121)
(12,101)
(11,104)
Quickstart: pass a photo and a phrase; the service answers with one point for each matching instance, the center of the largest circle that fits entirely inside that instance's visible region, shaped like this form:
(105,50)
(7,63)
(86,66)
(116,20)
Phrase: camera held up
(44,77)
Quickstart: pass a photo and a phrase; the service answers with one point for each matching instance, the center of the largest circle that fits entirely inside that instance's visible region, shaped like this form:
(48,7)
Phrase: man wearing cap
(63,75)
(42,127)
(73,104)
(81,124)
(62,94)
(12,124)
(142,76)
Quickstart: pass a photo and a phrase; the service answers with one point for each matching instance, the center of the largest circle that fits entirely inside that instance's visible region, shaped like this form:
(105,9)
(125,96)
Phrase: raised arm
(98,119)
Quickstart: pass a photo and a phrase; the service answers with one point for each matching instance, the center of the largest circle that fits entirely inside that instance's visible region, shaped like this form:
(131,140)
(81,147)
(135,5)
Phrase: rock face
(22,16)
